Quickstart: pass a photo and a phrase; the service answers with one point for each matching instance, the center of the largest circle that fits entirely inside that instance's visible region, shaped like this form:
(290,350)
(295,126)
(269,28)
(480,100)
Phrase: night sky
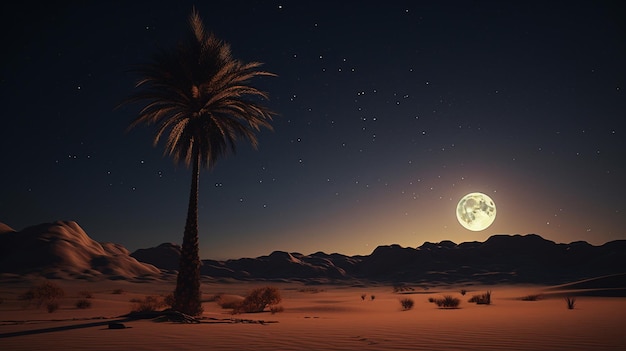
(388,113)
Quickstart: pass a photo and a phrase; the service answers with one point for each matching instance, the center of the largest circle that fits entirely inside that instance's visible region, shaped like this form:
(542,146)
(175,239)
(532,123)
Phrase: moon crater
(476,211)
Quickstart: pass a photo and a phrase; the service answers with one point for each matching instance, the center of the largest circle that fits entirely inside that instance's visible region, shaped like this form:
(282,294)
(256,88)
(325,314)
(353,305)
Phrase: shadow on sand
(65,327)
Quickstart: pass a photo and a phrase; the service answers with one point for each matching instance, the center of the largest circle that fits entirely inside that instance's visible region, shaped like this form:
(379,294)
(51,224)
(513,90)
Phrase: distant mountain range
(63,249)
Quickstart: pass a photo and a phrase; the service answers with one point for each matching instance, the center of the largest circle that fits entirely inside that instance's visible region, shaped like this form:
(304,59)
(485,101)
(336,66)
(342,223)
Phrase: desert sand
(318,317)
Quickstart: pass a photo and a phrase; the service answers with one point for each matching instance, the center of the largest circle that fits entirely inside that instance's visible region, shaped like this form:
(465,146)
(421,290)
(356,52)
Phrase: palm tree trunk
(187,293)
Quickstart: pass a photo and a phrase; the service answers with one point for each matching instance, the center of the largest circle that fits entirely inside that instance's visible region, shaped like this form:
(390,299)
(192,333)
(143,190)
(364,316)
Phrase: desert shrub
(431,299)
(402,288)
(363,296)
(531,297)
(258,299)
(571,301)
(85,294)
(147,304)
(169,300)
(446,302)
(46,293)
(52,306)
(373,297)
(482,299)
(463,292)
(83,304)
(118,291)
(407,304)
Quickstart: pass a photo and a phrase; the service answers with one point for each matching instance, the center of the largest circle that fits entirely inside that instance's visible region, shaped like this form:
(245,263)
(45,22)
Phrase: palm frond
(200,98)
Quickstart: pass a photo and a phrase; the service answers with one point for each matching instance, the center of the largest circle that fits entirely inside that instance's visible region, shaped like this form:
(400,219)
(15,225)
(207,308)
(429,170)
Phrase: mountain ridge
(63,249)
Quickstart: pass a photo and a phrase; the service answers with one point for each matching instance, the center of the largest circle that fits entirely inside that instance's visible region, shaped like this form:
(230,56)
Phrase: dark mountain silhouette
(167,255)
(500,259)
(63,249)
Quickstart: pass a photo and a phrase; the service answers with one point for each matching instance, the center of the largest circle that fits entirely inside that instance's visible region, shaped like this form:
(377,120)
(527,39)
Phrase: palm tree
(200,99)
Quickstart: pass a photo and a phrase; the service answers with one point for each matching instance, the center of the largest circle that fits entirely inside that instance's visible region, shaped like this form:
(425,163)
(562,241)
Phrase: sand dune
(608,285)
(63,249)
(329,317)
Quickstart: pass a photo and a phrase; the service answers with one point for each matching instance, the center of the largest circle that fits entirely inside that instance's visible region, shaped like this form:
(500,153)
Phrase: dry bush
(258,299)
(363,296)
(531,297)
(169,300)
(483,299)
(147,304)
(407,304)
(46,294)
(571,301)
(83,304)
(463,292)
(402,288)
(446,302)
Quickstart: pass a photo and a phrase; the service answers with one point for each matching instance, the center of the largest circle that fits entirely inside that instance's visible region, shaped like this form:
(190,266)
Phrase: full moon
(476,211)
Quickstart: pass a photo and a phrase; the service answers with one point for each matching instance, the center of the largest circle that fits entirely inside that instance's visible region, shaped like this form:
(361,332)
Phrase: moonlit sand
(318,317)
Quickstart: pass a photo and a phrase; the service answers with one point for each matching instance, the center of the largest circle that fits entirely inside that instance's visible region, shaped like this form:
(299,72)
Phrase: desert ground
(318,317)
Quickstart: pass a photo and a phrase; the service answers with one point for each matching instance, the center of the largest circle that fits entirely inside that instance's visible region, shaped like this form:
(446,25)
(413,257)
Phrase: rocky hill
(63,250)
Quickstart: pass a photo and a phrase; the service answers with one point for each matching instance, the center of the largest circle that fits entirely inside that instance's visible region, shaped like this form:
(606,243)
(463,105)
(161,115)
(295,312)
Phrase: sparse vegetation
(531,297)
(446,302)
(402,288)
(148,304)
(482,299)
(256,301)
(168,300)
(83,304)
(571,302)
(46,294)
(407,304)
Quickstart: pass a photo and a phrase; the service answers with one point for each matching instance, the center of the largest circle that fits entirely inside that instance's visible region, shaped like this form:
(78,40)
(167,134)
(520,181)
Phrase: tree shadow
(63,328)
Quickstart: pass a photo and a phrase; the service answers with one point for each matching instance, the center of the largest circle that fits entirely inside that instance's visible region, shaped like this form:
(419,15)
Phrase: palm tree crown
(199,97)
